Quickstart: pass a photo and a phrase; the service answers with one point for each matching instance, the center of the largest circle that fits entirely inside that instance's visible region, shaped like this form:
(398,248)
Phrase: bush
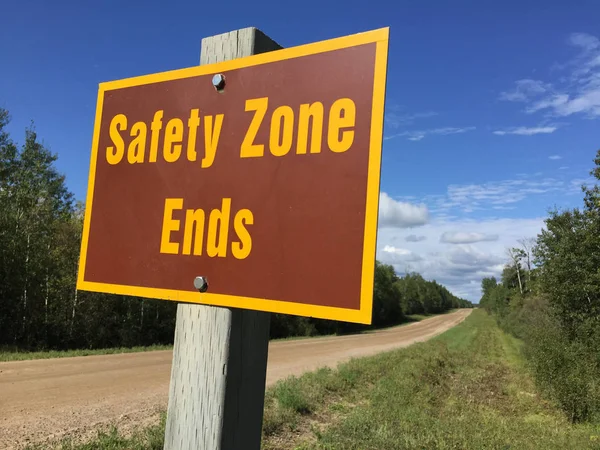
(291,396)
(566,367)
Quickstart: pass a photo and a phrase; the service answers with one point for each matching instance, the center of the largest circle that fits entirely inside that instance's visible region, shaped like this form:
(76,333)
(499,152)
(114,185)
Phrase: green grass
(7,355)
(466,389)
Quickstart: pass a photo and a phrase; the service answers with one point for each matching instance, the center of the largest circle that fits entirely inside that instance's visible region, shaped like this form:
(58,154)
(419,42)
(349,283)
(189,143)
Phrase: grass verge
(467,388)
(7,355)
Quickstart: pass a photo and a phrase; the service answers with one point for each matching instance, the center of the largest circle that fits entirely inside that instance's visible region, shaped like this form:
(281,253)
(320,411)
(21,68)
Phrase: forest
(549,296)
(40,308)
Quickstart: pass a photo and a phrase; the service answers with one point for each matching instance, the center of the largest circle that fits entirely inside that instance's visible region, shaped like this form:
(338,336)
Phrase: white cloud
(563,167)
(585,41)
(577,93)
(524,89)
(498,193)
(396,214)
(395,255)
(555,157)
(397,120)
(397,251)
(414,238)
(493,195)
(524,131)
(576,184)
(554,101)
(417,135)
(459,267)
(460,237)
(587,101)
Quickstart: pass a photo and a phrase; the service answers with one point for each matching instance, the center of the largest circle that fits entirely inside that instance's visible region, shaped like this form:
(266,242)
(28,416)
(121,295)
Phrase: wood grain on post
(217,389)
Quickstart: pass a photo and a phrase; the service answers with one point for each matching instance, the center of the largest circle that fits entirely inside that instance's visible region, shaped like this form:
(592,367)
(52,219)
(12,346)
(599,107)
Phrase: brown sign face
(268,189)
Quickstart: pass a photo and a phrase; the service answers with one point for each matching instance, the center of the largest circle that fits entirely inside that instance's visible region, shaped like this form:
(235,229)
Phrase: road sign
(258,174)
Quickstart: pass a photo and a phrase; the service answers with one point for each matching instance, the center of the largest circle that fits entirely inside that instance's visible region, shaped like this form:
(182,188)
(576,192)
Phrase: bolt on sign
(259,174)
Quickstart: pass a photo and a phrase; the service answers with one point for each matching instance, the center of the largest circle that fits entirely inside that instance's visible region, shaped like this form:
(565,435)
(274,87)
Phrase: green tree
(8,247)
(387,307)
(569,260)
(487,286)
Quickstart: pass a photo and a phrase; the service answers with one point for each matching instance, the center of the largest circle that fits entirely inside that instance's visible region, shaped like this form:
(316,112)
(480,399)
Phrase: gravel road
(46,399)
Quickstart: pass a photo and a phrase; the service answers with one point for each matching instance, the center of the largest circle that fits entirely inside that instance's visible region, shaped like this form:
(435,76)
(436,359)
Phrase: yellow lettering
(114,155)
(249,148)
(337,120)
(137,147)
(218,222)
(193,124)
(241,249)
(306,112)
(211,138)
(173,138)
(193,219)
(281,146)
(170,225)
(155,127)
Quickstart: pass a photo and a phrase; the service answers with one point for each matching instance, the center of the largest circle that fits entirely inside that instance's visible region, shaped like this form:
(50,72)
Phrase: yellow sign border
(362,315)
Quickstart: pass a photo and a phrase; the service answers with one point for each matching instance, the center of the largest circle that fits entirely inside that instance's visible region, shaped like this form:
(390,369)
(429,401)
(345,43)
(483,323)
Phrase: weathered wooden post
(219,368)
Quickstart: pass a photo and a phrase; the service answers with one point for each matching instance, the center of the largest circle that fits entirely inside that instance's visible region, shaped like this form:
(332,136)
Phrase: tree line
(549,296)
(394,299)
(40,308)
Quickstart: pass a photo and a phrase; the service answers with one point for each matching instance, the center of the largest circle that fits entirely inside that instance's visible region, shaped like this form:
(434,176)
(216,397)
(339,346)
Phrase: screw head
(201,283)
(218,81)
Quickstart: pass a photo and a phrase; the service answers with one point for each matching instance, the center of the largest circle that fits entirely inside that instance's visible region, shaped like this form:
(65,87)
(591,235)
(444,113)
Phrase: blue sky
(491,110)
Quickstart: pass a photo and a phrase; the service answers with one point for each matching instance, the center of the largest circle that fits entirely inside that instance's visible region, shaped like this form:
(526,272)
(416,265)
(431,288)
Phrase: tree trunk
(46,308)
(73,314)
(46,299)
(74,303)
(25,286)
(528,245)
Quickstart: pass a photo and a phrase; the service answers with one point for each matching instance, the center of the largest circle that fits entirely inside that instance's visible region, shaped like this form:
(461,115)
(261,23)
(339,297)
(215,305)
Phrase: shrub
(565,367)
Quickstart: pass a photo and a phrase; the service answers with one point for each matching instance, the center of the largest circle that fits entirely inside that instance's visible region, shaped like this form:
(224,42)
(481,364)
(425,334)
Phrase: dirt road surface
(44,400)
